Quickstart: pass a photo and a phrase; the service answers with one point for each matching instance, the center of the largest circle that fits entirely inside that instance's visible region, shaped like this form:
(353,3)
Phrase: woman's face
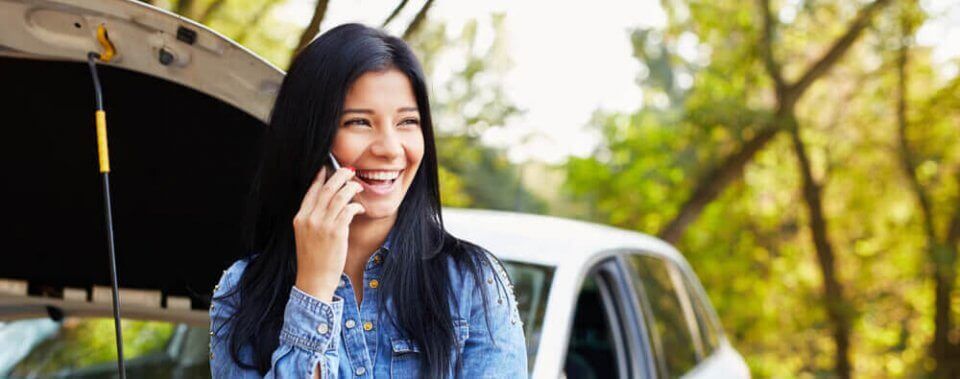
(379,135)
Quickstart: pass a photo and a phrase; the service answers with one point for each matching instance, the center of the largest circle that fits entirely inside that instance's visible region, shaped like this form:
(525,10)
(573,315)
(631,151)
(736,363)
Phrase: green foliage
(751,247)
(467,104)
(82,343)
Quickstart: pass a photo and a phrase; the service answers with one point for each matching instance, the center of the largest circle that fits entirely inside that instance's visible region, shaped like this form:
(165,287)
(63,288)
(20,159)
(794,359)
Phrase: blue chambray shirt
(351,341)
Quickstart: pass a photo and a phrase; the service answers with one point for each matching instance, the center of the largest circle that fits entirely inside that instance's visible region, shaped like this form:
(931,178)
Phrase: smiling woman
(352,273)
(381,137)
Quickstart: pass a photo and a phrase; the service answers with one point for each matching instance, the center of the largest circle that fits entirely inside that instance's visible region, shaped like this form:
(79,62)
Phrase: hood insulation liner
(181,165)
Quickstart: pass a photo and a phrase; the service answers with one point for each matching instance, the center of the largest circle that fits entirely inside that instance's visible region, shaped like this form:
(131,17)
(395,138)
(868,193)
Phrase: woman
(354,274)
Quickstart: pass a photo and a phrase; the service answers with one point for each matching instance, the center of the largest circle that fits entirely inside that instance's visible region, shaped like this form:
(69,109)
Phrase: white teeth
(379,175)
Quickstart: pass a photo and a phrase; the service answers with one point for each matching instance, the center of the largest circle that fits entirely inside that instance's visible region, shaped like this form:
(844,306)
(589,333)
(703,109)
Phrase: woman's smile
(378,182)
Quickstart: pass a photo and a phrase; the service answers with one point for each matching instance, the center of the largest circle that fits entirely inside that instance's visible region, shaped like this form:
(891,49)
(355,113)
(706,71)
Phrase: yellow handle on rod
(102,141)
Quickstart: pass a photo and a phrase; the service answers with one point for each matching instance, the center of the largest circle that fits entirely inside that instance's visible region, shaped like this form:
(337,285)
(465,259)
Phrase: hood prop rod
(104,158)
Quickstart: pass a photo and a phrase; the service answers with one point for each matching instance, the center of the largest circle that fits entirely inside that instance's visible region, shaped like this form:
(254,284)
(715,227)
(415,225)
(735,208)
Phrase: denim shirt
(358,341)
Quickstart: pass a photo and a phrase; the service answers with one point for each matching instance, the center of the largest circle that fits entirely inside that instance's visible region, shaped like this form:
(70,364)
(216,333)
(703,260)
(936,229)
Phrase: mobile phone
(333,160)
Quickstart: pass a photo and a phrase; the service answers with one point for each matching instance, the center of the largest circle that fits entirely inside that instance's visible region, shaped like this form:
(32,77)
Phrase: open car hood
(183,141)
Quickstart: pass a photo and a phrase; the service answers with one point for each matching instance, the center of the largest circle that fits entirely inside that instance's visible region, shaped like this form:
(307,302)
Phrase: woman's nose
(388,144)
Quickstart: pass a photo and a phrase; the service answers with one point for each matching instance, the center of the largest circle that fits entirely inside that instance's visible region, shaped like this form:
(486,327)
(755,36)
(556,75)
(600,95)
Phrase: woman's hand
(321,227)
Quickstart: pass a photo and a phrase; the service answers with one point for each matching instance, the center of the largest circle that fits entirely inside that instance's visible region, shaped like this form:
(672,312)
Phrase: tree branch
(714,182)
(210,11)
(396,11)
(766,47)
(417,21)
(255,20)
(314,27)
(836,51)
(184,8)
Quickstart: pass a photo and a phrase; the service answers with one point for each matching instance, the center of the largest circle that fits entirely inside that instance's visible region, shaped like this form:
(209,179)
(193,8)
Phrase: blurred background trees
(804,155)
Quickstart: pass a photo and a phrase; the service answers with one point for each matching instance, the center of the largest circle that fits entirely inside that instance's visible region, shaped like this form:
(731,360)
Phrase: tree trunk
(942,255)
(833,296)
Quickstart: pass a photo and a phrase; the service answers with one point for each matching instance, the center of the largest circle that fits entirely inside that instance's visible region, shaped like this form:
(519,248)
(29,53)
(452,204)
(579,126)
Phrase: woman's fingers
(341,198)
(328,190)
(310,198)
(346,215)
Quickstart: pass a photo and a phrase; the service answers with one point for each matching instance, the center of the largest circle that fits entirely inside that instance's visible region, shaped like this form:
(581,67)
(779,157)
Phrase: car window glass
(669,321)
(80,347)
(591,352)
(531,285)
(709,332)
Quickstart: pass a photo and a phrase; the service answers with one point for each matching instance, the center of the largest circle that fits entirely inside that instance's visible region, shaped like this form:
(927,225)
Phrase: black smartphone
(334,164)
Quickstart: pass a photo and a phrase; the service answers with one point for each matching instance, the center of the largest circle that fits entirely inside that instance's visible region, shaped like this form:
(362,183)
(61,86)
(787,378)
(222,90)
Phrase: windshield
(80,347)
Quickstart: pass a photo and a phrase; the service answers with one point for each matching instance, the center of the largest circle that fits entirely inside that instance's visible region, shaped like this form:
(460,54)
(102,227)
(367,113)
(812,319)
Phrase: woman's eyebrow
(370,111)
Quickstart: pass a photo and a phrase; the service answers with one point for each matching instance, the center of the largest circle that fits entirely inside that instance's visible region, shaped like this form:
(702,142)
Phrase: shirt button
(376,259)
(361,370)
(367,326)
(350,324)
(374,283)
(323,328)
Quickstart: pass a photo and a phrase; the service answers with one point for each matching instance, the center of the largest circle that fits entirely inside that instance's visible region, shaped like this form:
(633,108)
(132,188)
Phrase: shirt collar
(386,243)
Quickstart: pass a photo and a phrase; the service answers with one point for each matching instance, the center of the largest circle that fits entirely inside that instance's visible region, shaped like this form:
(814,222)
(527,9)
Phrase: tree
(713,145)
(787,95)
(465,106)
(941,247)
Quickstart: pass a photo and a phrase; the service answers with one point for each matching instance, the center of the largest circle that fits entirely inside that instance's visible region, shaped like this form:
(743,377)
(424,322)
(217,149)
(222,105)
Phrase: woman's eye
(358,121)
(410,121)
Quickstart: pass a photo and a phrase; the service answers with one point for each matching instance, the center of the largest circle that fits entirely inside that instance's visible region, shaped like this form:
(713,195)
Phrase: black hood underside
(181,166)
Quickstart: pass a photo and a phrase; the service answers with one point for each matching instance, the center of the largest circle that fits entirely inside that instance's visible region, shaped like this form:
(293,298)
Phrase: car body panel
(212,64)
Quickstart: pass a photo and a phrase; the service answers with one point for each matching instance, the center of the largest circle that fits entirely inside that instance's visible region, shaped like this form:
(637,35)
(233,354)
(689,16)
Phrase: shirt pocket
(406,355)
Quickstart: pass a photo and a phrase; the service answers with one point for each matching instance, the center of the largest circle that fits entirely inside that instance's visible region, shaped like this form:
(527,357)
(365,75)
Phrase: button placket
(352,337)
(367,323)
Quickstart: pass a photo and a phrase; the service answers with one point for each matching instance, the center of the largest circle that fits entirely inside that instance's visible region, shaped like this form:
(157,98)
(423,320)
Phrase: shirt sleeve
(309,336)
(496,349)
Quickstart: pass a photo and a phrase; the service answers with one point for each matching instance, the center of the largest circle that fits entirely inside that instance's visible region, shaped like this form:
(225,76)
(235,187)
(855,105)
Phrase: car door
(683,329)
(606,337)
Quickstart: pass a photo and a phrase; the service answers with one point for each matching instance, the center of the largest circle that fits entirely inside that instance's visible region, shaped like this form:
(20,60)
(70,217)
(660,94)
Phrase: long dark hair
(301,129)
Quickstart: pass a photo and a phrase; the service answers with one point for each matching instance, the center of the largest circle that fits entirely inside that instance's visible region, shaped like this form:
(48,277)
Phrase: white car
(185,107)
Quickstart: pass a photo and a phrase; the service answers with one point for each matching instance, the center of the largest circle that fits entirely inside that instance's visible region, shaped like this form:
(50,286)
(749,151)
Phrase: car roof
(548,240)
(212,64)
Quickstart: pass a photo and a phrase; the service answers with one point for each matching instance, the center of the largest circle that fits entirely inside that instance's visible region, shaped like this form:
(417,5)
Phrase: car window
(675,340)
(79,347)
(592,351)
(531,285)
(709,330)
